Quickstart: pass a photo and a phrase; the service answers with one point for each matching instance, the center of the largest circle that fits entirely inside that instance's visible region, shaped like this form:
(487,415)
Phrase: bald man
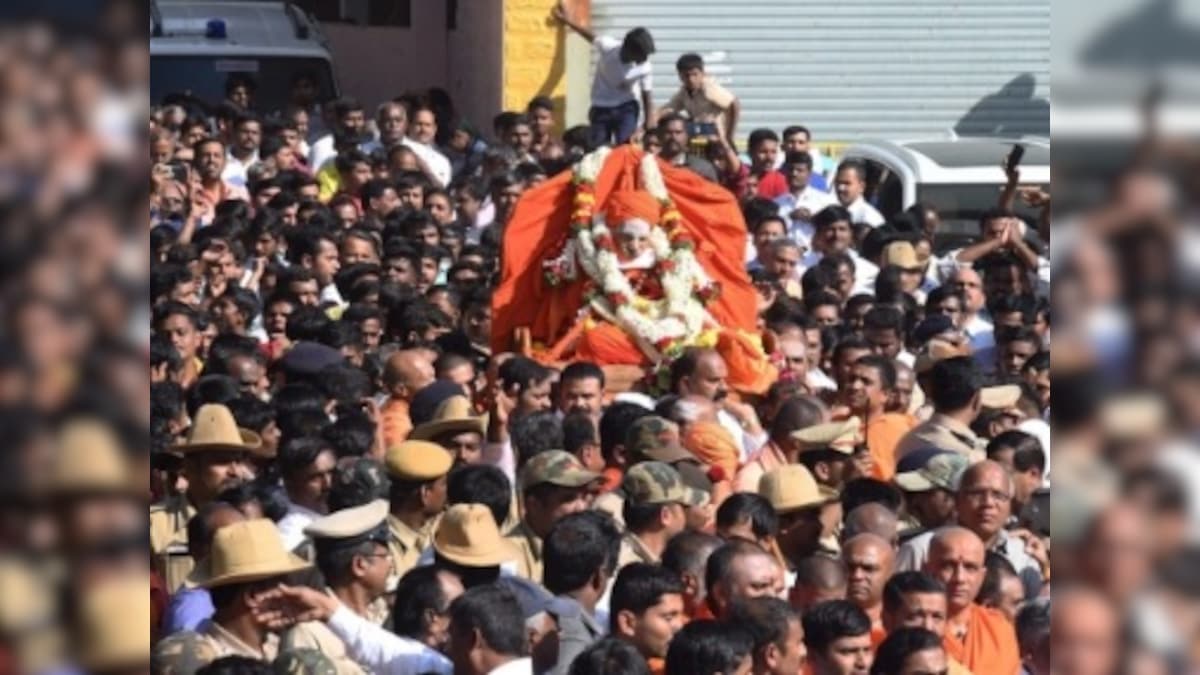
(983,503)
(819,578)
(873,518)
(978,637)
(869,561)
(1118,551)
(404,374)
(1084,633)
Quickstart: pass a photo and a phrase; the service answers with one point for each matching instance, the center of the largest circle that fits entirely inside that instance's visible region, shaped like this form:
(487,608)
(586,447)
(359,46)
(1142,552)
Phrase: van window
(204,76)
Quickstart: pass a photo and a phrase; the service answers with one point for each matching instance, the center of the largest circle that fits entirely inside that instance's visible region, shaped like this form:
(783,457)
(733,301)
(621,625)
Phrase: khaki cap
(353,523)
(556,467)
(91,460)
(792,488)
(901,254)
(214,429)
(417,460)
(841,437)
(452,416)
(942,471)
(251,550)
(659,483)
(114,622)
(467,535)
(1133,416)
(1001,397)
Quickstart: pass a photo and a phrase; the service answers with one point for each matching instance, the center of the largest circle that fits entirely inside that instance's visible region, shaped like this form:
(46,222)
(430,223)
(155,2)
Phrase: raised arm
(561,13)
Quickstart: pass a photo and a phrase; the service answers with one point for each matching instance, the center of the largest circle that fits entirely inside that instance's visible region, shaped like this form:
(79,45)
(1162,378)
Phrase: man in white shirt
(307,466)
(975,322)
(850,184)
(622,72)
(243,151)
(422,131)
(803,201)
(351,118)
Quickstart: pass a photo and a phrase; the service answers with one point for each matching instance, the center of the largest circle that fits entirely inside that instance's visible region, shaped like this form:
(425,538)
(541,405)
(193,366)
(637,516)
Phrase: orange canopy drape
(540,224)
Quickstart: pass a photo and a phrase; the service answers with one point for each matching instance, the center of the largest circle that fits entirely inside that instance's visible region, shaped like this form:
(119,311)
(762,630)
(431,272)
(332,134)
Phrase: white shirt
(865,271)
(331,294)
(749,444)
(235,169)
(616,82)
(519,667)
(436,161)
(291,527)
(817,380)
(812,199)
(321,151)
(980,331)
(382,651)
(862,212)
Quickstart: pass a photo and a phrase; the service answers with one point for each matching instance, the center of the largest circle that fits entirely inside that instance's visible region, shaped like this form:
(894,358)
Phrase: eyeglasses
(981,494)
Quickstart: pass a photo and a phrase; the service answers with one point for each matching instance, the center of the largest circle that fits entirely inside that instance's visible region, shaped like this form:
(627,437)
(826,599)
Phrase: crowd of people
(350,479)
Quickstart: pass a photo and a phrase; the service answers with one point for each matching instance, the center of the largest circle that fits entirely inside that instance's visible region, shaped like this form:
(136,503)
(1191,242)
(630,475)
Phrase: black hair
(861,491)
(816,279)
(610,656)
(854,165)
(581,370)
(901,644)
(688,62)
(830,215)
(534,434)
(1037,363)
(352,435)
(251,413)
(766,618)
(1008,334)
(171,308)
(832,620)
(578,547)
(758,209)
(749,507)
(802,158)
(212,389)
(297,454)
(163,352)
(540,102)
(796,129)
(954,383)
(494,611)
(344,383)
(903,583)
(760,136)
(640,41)
(1027,450)
(166,400)
(707,647)
(884,366)
(481,484)
(615,422)
(578,431)
(418,593)
(198,530)
(688,551)
(640,586)
(640,517)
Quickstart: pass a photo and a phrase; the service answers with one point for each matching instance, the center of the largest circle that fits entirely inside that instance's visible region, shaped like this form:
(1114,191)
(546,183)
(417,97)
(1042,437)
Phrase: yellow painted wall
(534,55)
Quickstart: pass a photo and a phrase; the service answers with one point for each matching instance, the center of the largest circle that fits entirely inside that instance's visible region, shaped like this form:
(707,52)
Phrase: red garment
(772,184)
(540,224)
(612,479)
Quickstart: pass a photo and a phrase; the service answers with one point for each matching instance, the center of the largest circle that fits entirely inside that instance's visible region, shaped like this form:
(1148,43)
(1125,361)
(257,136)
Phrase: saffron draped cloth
(540,226)
(990,647)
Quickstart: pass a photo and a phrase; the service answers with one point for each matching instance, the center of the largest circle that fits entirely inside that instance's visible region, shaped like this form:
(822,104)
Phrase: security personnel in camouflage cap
(303,662)
(553,484)
(351,548)
(650,439)
(656,503)
(417,470)
(183,653)
(215,457)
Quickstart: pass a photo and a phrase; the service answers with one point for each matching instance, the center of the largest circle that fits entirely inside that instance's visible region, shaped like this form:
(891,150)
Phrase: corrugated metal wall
(853,69)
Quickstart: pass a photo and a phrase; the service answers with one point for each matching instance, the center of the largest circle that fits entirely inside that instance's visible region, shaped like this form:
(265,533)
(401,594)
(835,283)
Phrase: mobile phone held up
(1014,157)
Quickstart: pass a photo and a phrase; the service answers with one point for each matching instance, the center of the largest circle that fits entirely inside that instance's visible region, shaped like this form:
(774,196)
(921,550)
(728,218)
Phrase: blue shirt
(189,607)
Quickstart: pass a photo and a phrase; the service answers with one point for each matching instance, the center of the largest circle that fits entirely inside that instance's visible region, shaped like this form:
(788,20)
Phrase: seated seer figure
(628,262)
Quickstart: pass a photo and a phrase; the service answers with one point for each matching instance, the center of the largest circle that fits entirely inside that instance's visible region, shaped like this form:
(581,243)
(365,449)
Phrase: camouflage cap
(658,483)
(656,439)
(556,467)
(943,471)
(182,653)
(357,481)
(303,661)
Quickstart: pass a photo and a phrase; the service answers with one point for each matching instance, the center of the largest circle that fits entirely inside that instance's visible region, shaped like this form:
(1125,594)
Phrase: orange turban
(750,372)
(713,445)
(626,205)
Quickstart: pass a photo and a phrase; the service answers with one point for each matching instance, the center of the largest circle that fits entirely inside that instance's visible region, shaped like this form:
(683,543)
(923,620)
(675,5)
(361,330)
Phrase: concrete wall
(377,63)
(474,77)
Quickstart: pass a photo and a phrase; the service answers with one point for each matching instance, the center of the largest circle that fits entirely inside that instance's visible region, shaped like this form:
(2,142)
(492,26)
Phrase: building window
(389,13)
(396,13)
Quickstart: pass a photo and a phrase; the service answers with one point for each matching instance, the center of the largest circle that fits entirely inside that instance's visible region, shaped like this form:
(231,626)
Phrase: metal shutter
(854,69)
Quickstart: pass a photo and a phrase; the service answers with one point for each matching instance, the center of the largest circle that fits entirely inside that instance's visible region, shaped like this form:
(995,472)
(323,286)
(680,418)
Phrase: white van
(195,46)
